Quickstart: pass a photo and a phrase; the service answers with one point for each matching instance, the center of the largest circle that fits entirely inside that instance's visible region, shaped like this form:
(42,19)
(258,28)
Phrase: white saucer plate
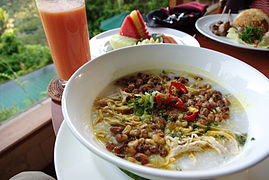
(99,44)
(203,25)
(74,161)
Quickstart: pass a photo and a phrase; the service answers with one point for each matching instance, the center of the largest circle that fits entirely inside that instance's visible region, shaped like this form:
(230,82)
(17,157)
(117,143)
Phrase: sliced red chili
(179,86)
(158,99)
(169,100)
(191,117)
(181,106)
(174,99)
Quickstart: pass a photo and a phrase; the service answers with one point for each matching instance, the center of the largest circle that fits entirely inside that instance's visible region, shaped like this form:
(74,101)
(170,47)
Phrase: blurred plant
(120,3)
(9,43)
(29,102)
(26,59)
(20,83)
(3,20)
(5,113)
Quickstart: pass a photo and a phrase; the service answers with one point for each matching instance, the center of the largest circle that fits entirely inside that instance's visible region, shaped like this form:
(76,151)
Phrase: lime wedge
(117,41)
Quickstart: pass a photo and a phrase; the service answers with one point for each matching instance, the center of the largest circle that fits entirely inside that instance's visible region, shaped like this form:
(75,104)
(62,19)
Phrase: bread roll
(254,17)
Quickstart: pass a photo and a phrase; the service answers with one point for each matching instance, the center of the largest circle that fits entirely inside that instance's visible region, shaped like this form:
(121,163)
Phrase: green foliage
(5,113)
(13,78)
(3,20)
(27,59)
(9,43)
(144,6)
(29,25)
(36,37)
(18,57)
(98,11)
(32,57)
(24,16)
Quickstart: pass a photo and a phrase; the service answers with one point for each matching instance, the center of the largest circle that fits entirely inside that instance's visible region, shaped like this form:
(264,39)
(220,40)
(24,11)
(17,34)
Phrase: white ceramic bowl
(247,84)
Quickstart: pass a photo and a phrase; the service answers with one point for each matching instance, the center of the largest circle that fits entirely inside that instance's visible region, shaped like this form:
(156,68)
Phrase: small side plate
(99,44)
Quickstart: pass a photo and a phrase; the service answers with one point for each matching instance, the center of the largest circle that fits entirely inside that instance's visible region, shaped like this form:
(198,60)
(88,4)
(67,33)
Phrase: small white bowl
(246,83)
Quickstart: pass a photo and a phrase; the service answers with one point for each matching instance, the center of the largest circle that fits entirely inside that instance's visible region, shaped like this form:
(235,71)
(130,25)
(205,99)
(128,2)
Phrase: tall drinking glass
(66,29)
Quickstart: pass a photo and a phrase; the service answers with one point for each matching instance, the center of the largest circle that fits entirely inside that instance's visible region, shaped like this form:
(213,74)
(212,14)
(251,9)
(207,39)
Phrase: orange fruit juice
(67,35)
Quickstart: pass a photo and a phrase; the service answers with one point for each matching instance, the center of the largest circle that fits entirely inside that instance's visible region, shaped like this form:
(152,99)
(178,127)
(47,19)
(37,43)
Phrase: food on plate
(134,31)
(134,26)
(250,27)
(221,28)
(170,120)
(249,35)
(117,41)
(252,17)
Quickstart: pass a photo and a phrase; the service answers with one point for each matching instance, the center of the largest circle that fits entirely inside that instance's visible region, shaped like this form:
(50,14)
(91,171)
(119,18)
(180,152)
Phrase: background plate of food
(100,44)
(212,26)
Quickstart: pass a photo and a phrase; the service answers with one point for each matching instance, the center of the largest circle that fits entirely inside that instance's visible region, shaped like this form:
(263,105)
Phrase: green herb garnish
(142,105)
(219,136)
(176,134)
(122,120)
(180,117)
(164,72)
(250,34)
(241,138)
(169,118)
(156,37)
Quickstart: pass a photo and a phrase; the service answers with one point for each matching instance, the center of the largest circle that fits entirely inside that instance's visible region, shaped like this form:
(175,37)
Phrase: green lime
(117,41)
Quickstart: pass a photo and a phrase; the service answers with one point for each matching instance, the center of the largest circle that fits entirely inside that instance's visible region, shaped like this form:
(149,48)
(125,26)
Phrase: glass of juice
(66,29)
